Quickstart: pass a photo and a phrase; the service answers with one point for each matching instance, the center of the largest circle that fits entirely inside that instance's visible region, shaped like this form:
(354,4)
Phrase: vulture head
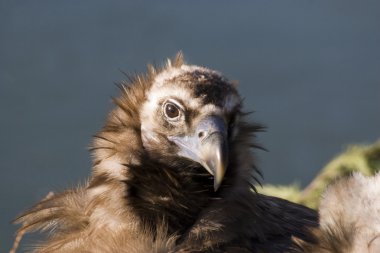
(172,172)
(189,112)
(177,139)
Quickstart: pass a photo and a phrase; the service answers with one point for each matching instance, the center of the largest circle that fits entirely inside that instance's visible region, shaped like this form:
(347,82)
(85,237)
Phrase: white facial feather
(161,90)
(211,109)
(164,88)
(172,72)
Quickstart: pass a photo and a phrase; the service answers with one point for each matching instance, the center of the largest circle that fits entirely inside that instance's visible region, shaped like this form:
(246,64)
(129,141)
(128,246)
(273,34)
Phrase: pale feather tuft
(349,217)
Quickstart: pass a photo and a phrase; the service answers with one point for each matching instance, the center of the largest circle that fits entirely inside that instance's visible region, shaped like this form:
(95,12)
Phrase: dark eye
(171,111)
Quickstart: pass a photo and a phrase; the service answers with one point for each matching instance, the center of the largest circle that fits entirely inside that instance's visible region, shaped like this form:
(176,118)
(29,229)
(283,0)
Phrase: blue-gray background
(310,69)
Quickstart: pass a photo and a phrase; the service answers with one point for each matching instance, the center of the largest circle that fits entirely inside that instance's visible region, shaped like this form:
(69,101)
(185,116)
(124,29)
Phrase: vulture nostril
(201,134)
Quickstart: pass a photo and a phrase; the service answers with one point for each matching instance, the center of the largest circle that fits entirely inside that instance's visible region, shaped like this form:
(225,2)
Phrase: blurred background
(309,69)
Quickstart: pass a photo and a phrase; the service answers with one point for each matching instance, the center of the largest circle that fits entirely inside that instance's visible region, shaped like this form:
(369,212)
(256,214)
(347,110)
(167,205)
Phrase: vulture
(173,171)
(349,217)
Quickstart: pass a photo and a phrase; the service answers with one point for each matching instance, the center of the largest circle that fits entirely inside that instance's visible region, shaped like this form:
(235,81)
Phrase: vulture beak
(207,146)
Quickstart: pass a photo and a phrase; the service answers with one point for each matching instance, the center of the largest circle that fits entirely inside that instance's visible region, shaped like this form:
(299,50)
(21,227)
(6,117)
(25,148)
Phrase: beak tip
(218,178)
(216,187)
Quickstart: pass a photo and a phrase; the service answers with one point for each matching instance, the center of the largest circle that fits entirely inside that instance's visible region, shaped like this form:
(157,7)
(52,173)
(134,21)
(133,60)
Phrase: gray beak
(207,146)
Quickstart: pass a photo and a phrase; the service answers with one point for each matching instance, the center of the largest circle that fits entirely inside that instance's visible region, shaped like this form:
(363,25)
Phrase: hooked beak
(207,146)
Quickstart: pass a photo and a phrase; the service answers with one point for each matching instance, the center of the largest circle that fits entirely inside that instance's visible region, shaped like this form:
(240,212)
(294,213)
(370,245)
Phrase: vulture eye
(171,110)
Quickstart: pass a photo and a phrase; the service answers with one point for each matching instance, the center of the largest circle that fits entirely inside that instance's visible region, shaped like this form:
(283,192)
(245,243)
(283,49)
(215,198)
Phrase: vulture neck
(170,193)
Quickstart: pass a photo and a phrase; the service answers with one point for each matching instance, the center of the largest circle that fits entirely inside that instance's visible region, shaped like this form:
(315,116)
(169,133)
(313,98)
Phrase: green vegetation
(361,158)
